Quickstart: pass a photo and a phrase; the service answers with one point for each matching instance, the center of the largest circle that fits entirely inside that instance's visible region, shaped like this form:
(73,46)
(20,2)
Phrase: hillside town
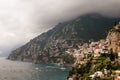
(101,59)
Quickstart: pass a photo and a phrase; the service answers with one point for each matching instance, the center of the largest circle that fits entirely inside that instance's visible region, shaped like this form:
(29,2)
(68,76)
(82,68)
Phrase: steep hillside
(51,46)
(108,60)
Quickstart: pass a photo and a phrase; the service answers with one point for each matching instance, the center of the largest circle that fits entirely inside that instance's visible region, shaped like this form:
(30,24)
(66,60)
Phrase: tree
(112,55)
(68,58)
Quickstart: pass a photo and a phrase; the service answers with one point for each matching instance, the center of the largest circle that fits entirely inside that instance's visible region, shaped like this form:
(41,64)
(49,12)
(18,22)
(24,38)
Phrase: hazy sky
(21,20)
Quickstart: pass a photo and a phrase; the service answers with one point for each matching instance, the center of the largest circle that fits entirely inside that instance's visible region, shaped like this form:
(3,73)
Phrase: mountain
(51,46)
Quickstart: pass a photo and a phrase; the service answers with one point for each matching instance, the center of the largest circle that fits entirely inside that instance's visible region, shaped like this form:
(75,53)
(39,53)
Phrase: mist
(22,20)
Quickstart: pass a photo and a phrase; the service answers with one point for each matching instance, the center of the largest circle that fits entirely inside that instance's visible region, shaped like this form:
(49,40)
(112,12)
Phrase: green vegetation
(105,61)
(69,59)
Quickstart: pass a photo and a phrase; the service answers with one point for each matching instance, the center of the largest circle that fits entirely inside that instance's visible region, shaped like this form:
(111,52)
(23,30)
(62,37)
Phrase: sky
(22,20)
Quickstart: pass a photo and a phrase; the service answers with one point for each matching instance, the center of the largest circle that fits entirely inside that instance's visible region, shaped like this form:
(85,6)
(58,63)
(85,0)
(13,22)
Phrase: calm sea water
(15,70)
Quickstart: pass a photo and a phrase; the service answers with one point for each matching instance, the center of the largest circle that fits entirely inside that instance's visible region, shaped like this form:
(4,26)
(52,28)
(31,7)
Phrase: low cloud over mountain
(21,20)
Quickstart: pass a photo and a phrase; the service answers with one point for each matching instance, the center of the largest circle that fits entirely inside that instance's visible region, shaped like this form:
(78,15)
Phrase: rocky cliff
(114,38)
(51,46)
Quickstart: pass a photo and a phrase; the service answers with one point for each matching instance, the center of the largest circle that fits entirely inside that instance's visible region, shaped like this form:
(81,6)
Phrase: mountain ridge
(51,45)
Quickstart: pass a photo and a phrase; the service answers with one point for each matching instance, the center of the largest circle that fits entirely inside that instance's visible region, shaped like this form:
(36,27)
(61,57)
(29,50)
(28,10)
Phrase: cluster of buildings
(85,51)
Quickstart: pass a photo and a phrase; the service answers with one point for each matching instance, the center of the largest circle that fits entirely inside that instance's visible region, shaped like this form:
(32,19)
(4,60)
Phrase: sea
(17,70)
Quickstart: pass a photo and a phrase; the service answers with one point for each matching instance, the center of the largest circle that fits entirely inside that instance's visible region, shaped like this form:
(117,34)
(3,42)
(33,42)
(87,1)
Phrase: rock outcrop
(114,39)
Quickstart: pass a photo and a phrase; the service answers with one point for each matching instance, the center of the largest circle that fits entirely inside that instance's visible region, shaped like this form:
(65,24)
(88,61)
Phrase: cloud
(22,20)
